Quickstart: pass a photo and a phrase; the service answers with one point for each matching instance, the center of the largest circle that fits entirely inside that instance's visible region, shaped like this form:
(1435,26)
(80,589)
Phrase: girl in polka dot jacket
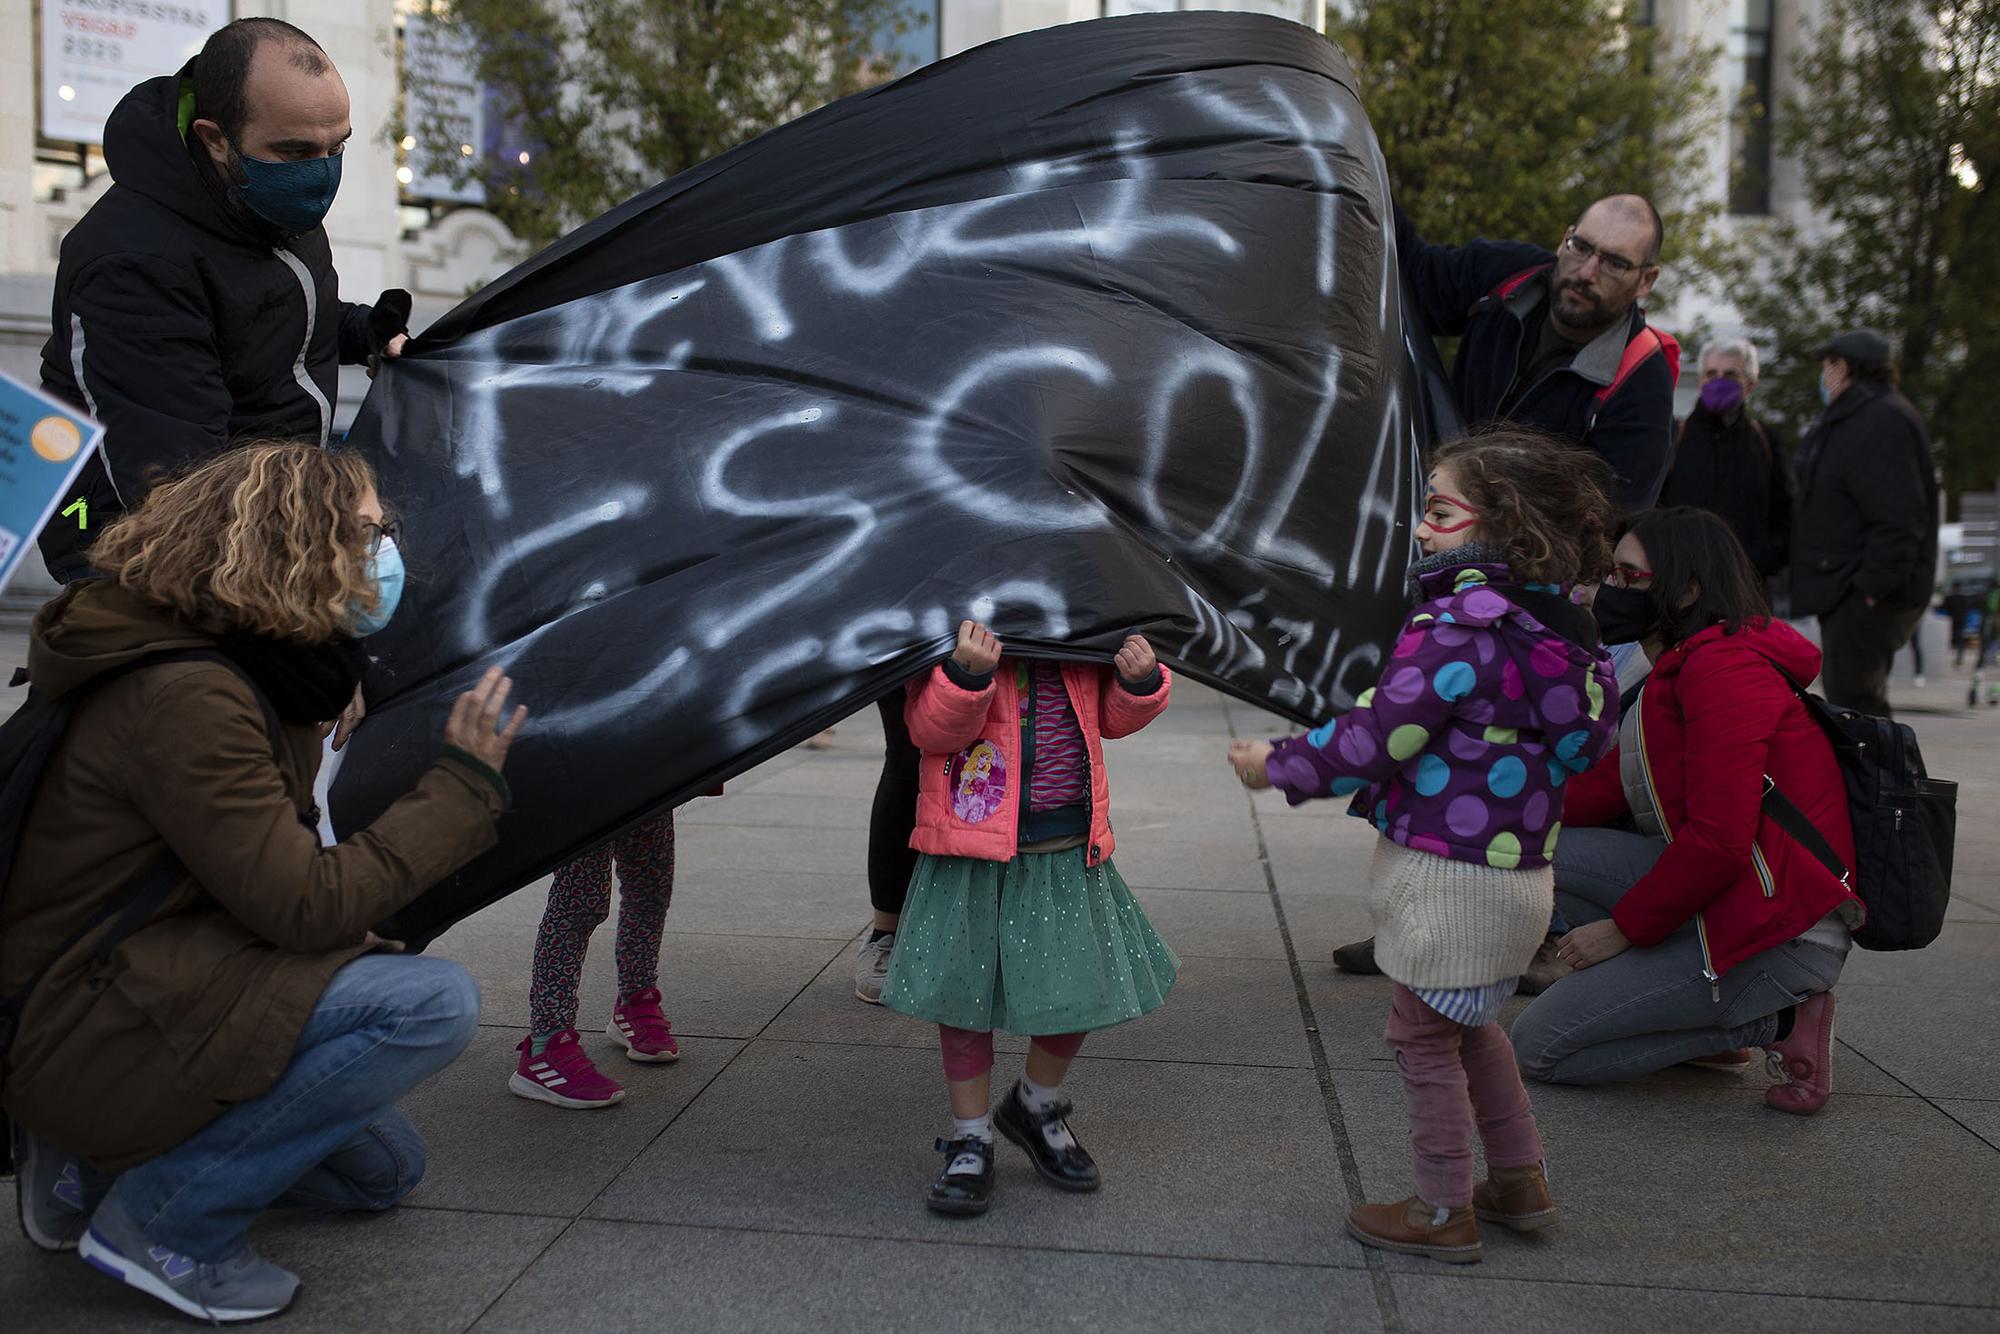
(1495,694)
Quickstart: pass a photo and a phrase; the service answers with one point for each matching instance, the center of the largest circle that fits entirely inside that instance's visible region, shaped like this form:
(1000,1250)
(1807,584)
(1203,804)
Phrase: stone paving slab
(1452,1305)
(713,986)
(1687,1189)
(493,1151)
(837,1140)
(780,1281)
(409,1270)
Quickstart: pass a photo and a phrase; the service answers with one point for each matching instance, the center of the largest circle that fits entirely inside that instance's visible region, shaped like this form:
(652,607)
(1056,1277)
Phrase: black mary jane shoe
(1067,1169)
(963,1193)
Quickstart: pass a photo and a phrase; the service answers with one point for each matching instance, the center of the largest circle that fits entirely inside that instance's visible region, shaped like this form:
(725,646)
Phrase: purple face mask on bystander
(1721,395)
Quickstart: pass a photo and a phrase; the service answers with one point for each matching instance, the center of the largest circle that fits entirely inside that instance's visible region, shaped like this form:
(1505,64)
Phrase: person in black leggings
(890,857)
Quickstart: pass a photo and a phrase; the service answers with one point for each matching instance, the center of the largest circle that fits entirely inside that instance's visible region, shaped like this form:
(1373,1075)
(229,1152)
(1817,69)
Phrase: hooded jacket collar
(1596,361)
(149,154)
(1776,642)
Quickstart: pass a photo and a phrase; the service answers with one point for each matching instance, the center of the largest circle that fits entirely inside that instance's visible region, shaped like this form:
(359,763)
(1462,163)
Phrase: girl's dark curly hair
(1540,500)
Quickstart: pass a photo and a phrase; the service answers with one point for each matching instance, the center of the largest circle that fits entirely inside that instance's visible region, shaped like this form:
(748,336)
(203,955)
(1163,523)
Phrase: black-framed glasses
(1616,265)
(373,533)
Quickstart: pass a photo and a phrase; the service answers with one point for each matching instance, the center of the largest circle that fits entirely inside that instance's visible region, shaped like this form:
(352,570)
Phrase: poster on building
(44,444)
(447,115)
(94,51)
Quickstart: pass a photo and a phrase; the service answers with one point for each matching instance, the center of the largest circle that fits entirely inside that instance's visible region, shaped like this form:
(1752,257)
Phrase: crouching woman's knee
(1538,1042)
(454,1017)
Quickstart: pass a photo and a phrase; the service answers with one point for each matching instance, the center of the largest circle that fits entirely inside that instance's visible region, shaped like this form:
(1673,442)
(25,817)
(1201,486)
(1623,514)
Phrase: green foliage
(618,94)
(1896,128)
(1506,118)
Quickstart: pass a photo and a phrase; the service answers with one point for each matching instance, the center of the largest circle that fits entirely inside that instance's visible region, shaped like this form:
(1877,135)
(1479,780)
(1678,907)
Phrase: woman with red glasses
(1701,929)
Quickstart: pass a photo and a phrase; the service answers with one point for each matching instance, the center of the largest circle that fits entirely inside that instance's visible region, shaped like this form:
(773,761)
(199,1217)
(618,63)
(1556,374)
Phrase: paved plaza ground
(772,1180)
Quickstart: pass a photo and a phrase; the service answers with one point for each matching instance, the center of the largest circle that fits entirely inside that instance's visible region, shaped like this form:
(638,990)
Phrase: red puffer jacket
(1715,718)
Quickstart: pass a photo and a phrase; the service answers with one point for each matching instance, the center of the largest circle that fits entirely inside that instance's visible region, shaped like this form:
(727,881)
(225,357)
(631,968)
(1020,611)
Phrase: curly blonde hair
(264,538)
(1540,500)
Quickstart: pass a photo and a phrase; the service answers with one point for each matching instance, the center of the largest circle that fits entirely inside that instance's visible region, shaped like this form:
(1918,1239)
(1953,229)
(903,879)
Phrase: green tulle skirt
(1039,945)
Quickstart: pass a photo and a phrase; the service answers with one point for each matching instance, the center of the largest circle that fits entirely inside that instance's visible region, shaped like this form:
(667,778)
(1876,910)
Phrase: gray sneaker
(244,1287)
(53,1191)
(871,967)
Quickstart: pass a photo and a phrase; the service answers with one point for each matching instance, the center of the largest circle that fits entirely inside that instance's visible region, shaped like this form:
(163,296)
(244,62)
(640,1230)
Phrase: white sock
(1038,1100)
(969,1127)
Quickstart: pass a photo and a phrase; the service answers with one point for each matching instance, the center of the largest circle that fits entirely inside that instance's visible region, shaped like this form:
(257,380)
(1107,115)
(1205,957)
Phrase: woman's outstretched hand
(1249,759)
(474,726)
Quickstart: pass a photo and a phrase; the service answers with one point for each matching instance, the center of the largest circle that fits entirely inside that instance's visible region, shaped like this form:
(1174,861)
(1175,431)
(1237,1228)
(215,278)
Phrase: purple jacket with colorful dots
(1494,695)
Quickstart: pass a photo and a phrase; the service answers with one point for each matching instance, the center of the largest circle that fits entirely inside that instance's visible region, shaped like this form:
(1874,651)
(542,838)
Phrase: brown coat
(201,1007)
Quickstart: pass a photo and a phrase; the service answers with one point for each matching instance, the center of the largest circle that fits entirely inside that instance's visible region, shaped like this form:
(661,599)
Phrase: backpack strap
(1784,812)
(137,901)
(1507,287)
(1648,343)
(1788,817)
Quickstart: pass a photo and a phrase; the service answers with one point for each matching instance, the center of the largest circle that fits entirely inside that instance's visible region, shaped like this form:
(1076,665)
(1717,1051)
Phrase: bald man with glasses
(1559,340)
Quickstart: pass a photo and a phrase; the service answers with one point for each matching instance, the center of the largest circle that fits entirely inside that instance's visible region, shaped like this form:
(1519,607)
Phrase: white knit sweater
(1445,923)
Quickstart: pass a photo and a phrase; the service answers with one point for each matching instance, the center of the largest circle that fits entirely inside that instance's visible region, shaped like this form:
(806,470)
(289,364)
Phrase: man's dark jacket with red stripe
(1455,287)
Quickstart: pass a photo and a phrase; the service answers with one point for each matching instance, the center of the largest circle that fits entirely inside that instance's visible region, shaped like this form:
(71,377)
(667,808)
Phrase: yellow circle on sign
(56,439)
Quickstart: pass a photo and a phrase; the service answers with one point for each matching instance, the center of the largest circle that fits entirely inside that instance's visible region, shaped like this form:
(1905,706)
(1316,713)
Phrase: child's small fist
(1250,760)
(1136,660)
(977,651)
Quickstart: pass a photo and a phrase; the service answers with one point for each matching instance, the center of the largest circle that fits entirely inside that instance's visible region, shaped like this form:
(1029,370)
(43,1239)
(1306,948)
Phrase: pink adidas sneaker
(563,1075)
(640,1028)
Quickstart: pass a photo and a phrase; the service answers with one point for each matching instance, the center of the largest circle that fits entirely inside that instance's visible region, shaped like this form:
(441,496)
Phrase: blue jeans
(327,1133)
(1651,1007)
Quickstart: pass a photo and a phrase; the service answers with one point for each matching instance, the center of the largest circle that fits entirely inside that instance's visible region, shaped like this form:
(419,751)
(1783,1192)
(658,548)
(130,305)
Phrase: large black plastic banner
(1087,331)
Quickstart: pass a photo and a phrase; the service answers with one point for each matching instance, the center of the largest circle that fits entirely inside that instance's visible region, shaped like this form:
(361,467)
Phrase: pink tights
(968,1055)
(1453,1076)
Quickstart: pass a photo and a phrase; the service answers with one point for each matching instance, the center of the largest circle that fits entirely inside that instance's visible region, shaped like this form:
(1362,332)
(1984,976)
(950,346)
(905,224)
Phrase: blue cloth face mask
(291,196)
(385,569)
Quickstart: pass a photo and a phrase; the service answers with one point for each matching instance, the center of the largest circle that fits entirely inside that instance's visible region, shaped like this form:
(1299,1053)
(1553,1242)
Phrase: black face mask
(1624,615)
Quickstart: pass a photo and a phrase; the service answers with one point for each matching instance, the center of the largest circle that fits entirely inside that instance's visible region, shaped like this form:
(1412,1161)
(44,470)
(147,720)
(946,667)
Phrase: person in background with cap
(196,303)
(1865,540)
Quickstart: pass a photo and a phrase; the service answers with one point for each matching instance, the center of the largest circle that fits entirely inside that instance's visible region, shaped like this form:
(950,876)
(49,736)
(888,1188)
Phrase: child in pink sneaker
(553,1066)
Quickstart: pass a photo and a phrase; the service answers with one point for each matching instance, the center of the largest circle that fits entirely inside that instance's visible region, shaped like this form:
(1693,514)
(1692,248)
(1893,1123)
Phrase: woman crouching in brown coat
(231,1042)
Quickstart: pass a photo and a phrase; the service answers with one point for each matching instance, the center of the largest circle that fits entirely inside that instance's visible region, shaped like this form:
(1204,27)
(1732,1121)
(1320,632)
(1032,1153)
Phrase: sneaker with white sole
(641,1028)
(562,1075)
(871,968)
(244,1287)
(53,1193)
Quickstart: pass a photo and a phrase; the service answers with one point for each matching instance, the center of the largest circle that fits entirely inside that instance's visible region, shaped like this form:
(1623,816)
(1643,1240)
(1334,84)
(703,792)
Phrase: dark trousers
(1860,643)
(891,860)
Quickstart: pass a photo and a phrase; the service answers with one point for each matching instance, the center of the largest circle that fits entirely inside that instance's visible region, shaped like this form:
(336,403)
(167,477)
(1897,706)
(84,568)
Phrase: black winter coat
(183,323)
(1867,520)
(1737,470)
(1453,286)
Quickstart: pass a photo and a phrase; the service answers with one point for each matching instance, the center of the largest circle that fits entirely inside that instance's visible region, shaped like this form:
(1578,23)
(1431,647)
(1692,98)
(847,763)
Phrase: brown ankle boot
(1406,1227)
(1515,1197)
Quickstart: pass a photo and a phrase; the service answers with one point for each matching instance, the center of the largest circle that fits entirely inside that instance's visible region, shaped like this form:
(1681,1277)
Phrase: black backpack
(1904,821)
(27,740)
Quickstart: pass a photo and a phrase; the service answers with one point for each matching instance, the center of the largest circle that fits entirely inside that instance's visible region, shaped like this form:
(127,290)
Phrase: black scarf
(306,683)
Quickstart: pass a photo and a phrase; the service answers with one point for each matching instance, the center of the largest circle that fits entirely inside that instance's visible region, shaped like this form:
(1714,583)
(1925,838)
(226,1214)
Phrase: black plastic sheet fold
(1089,331)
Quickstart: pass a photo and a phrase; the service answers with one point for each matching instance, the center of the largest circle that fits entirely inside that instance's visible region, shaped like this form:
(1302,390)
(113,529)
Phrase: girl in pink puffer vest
(1016,918)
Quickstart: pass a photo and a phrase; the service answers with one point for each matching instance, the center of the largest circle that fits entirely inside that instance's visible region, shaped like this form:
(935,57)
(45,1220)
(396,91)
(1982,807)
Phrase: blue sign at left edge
(44,445)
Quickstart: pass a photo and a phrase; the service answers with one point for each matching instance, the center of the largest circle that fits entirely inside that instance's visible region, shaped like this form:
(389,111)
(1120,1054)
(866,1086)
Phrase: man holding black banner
(1559,340)
(196,303)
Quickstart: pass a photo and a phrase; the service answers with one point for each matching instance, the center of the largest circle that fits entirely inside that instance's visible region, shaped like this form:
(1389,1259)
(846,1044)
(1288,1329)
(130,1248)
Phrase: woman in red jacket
(1709,930)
